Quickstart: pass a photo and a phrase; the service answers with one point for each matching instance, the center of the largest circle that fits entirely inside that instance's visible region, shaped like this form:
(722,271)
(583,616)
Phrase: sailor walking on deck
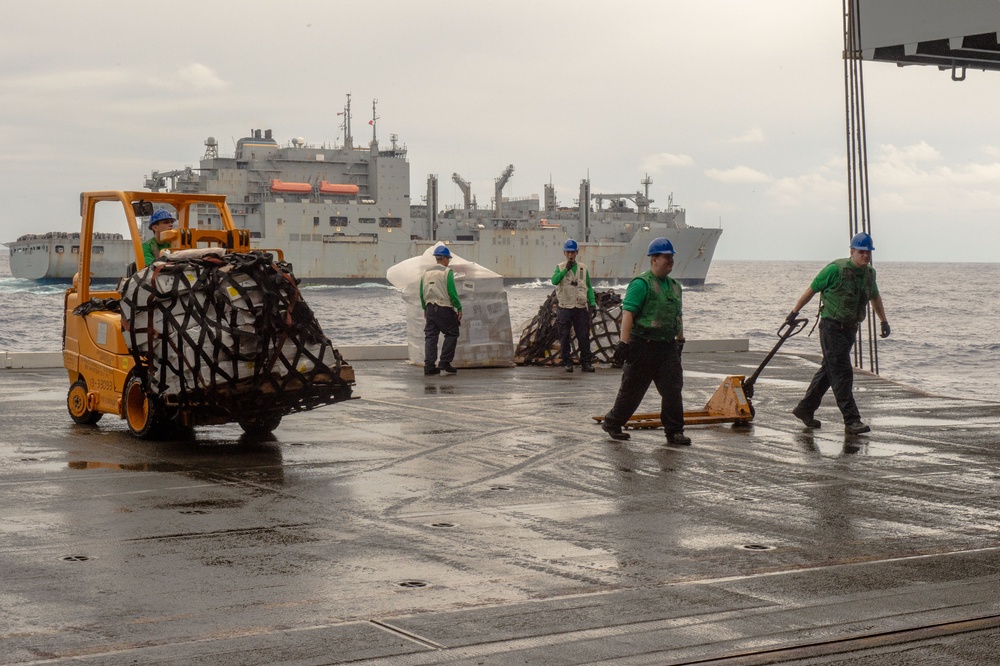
(846,286)
(577,306)
(442,312)
(652,338)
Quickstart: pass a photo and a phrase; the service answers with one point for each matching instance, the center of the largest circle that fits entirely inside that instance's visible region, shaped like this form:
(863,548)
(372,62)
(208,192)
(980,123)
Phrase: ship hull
(522,255)
(526,255)
(59,258)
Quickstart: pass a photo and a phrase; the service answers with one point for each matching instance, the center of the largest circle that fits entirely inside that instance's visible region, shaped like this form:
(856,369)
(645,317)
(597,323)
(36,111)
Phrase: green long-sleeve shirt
(149,247)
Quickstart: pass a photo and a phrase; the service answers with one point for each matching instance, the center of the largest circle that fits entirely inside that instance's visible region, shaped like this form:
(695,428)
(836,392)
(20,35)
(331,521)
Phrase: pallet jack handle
(785,331)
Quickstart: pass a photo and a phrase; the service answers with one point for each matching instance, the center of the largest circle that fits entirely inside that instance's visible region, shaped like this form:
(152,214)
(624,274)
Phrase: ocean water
(945,338)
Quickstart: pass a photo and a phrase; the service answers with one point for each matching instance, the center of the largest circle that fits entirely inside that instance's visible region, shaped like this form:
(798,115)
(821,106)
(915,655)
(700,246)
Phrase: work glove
(621,354)
(792,316)
(571,265)
(593,311)
(885,329)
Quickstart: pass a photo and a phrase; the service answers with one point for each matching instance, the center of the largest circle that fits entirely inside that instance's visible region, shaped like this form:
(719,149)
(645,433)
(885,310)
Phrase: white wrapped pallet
(485,339)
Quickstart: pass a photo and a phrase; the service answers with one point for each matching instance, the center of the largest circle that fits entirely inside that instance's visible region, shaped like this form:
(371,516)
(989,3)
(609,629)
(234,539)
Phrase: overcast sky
(735,107)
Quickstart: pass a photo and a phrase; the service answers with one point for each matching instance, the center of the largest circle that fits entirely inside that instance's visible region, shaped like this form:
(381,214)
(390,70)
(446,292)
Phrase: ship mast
(642,203)
(372,123)
(348,139)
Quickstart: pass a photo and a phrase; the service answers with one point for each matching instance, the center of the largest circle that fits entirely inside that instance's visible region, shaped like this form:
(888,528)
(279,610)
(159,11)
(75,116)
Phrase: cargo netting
(231,334)
(540,345)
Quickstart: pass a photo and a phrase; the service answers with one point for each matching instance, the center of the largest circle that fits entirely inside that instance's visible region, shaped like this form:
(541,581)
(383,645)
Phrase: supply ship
(343,213)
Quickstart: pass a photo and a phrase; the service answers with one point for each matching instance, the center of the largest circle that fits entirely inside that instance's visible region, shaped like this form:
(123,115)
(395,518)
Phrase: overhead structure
(954,35)
(466,188)
(859,200)
(498,189)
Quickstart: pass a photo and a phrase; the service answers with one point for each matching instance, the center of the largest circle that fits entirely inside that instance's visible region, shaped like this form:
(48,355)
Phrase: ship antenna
(348,139)
(373,122)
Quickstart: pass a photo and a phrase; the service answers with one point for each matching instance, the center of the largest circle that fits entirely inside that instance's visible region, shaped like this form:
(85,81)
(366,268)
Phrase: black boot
(856,428)
(806,417)
(614,432)
(678,438)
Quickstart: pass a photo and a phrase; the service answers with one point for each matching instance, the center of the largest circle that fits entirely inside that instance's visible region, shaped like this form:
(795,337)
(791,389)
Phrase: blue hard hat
(862,241)
(571,246)
(660,246)
(442,251)
(159,216)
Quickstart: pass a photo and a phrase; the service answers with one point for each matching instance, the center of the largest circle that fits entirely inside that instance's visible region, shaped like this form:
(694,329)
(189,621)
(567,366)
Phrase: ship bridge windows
(390,222)
(316,221)
(339,221)
(75,249)
(97,249)
(60,249)
(366,220)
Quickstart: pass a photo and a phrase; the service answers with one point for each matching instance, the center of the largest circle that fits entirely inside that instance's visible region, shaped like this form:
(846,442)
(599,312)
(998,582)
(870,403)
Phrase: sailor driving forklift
(846,286)
(160,221)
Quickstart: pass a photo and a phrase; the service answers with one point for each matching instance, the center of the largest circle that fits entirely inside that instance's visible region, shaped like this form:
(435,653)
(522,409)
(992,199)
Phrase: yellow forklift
(108,377)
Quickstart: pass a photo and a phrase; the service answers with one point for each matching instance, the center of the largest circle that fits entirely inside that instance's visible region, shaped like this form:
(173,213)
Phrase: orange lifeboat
(342,189)
(281,187)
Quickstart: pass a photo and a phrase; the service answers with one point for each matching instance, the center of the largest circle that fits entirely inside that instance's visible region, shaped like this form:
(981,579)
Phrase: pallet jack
(731,402)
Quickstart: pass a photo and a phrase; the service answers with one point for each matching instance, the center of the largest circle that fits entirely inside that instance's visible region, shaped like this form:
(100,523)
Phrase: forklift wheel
(140,412)
(262,424)
(76,401)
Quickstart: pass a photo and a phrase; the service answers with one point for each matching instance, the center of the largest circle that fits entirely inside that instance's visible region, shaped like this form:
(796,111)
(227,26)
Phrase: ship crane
(617,201)
(158,179)
(498,189)
(466,188)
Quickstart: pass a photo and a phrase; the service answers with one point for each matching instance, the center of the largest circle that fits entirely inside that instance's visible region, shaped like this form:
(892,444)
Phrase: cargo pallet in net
(228,337)
(540,345)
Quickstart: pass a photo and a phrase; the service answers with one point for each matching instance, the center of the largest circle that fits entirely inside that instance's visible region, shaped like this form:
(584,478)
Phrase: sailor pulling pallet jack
(846,287)
(652,337)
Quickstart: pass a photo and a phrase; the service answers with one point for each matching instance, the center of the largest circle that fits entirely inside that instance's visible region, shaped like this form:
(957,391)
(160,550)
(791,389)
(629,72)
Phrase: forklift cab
(95,355)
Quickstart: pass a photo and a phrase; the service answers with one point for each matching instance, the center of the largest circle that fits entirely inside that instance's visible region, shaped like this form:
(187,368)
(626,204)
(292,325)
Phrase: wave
(319,288)
(12,285)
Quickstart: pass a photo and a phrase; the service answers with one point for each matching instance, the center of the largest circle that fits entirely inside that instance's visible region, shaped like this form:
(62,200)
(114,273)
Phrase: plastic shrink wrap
(485,339)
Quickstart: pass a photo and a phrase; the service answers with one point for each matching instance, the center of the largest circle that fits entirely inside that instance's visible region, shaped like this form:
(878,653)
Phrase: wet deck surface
(485,519)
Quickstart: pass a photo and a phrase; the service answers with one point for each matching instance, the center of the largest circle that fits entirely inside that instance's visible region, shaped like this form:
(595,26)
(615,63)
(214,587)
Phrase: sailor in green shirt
(846,287)
(159,222)
(652,338)
(577,306)
(442,313)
